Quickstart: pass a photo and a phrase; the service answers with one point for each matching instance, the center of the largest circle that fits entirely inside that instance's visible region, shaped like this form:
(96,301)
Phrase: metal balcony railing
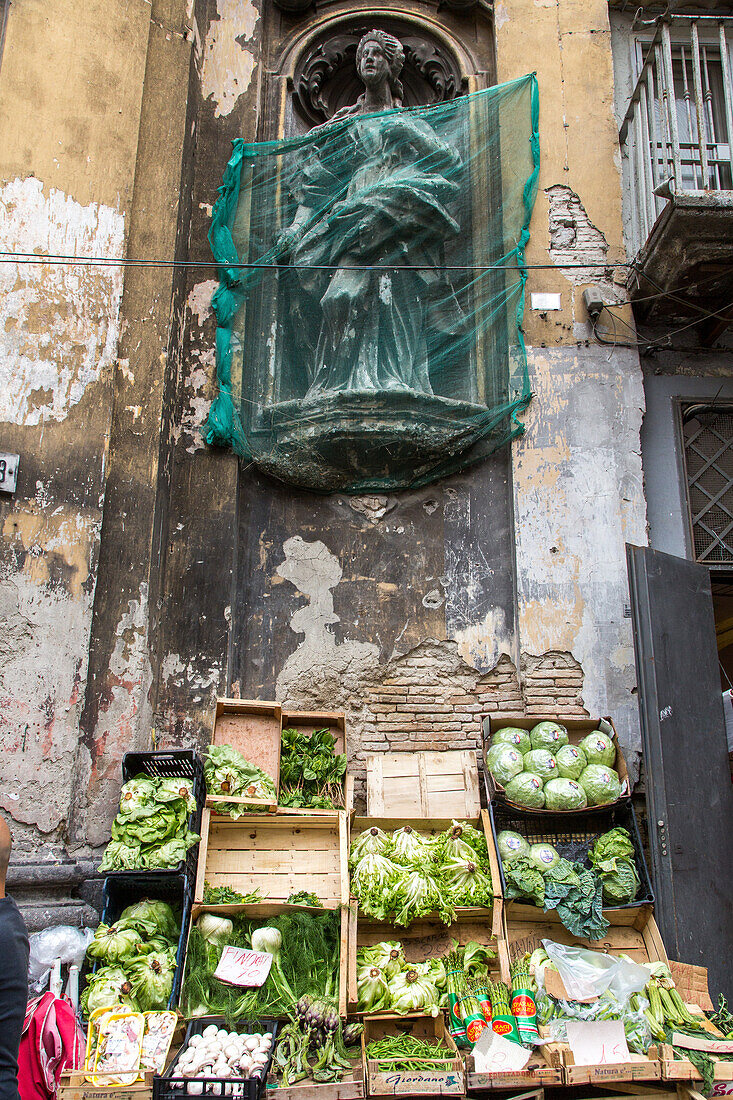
(677,134)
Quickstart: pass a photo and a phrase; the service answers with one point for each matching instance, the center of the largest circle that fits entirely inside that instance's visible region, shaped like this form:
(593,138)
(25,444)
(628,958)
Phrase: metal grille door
(708,444)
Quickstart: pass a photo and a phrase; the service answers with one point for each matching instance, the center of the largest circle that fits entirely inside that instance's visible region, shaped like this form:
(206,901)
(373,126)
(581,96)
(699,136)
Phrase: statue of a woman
(373,258)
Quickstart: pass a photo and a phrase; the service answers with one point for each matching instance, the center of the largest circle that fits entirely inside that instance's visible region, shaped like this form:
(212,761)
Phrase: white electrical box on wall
(8,472)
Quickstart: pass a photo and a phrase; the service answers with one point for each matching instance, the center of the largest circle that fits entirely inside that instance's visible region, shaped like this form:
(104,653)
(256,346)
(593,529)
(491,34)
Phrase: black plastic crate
(169,764)
(120,892)
(573,838)
(172,1087)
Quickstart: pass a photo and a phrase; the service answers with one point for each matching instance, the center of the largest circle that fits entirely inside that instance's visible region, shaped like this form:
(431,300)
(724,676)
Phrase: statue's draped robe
(391,178)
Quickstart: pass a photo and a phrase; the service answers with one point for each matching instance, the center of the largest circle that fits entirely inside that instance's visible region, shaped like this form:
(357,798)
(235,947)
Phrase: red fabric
(51,1042)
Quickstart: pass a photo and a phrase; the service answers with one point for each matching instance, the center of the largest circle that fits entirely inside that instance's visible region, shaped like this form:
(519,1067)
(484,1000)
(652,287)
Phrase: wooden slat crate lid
(423,784)
(279,855)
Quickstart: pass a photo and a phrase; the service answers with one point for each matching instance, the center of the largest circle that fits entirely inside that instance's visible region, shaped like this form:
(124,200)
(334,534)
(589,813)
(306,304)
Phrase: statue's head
(380,56)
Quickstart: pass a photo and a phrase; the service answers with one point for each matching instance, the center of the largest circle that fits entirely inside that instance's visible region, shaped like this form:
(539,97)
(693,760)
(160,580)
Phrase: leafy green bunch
(138,956)
(150,830)
(311,771)
(406,874)
(229,773)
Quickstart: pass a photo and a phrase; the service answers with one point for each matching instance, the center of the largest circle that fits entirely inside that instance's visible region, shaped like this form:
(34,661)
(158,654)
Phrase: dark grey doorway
(689,791)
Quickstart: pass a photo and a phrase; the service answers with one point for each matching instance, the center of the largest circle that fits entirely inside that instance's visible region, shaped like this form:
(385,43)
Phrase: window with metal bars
(707,432)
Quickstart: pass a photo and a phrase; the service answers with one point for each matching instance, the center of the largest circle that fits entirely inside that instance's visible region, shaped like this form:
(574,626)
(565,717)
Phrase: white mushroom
(195,1088)
(212,1029)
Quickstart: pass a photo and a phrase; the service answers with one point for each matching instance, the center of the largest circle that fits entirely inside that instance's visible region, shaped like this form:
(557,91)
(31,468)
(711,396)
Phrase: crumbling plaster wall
(506,586)
(71,84)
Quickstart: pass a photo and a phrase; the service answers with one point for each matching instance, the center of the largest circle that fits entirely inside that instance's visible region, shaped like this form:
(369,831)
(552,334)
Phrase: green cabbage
(526,790)
(541,762)
(137,795)
(564,794)
(511,844)
(113,942)
(412,991)
(599,749)
(616,843)
(601,784)
(108,986)
(523,880)
(543,856)
(372,883)
(175,790)
(151,918)
(462,841)
(119,856)
(417,893)
(548,735)
(371,841)
(512,735)
(409,846)
(228,773)
(620,881)
(387,956)
(504,762)
(154,828)
(151,977)
(571,761)
(171,853)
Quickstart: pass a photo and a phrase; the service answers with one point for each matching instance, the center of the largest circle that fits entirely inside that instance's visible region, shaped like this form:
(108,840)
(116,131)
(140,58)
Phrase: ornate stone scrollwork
(325,79)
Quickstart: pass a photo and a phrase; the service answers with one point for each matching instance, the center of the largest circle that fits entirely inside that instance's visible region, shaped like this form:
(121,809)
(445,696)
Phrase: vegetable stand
(577,729)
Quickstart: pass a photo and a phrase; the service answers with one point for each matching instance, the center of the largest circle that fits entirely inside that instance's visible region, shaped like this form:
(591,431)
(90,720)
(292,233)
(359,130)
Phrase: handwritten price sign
(240,967)
(597,1042)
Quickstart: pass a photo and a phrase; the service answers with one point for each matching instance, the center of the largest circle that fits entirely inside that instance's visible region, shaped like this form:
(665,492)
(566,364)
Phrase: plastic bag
(587,973)
(64,942)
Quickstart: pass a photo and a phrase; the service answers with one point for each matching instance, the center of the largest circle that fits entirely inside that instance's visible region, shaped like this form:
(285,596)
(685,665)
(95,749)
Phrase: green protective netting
(371,292)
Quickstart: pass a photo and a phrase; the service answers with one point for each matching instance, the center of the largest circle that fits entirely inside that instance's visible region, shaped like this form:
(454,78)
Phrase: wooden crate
(446,1082)
(431,825)
(692,984)
(684,1070)
(539,1073)
(635,935)
(423,784)
(263,911)
(640,1068)
(307,722)
(427,938)
(253,728)
(280,855)
(577,729)
(350,1087)
(73,1085)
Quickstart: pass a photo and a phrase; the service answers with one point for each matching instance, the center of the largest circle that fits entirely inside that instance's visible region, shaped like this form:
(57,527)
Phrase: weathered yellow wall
(568,43)
(71,85)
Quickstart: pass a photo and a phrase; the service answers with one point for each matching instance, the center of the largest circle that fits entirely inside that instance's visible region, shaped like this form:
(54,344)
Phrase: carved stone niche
(325,78)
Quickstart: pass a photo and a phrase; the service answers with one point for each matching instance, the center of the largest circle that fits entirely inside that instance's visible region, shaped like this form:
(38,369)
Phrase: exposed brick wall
(431,699)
